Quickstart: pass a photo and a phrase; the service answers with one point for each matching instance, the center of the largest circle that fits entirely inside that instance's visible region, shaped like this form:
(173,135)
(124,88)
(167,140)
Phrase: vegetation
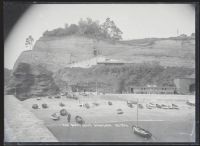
(116,78)
(29,42)
(89,28)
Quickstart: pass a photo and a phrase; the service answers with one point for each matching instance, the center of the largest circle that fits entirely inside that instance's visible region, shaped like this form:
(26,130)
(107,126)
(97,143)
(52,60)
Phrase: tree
(88,27)
(73,29)
(29,42)
(110,30)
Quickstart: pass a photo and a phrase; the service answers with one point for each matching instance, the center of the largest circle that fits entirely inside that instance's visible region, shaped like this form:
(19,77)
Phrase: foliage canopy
(89,28)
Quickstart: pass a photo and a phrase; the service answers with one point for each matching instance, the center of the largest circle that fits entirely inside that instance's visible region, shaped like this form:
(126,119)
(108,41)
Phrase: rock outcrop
(31,80)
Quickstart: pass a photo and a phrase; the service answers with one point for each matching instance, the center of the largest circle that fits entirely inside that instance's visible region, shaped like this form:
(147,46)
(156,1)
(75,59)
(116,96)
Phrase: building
(185,85)
(108,61)
(151,89)
(98,60)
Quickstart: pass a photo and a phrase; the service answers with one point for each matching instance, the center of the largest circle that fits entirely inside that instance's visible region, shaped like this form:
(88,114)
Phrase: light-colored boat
(140,131)
(55,116)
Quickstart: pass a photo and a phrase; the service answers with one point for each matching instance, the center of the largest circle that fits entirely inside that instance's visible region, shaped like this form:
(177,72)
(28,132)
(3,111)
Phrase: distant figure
(69,118)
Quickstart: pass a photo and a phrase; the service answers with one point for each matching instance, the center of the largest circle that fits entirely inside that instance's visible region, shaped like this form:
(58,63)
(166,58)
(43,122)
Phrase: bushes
(118,77)
(89,28)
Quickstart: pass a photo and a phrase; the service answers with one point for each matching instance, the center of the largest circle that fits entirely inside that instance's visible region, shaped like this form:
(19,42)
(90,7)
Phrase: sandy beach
(166,125)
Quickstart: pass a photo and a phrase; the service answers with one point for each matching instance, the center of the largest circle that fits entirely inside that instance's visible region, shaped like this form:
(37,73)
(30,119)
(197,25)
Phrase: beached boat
(141,132)
(55,116)
(158,106)
(190,103)
(140,106)
(39,98)
(109,103)
(174,106)
(79,120)
(148,106)
(163,106)
(131,102)
(130,105)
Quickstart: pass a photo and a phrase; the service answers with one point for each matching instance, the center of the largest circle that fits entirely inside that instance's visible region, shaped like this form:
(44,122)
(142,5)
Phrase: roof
(110,62)
(152,87)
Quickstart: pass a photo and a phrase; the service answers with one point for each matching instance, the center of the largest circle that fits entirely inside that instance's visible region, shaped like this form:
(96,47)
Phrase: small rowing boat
(141,132)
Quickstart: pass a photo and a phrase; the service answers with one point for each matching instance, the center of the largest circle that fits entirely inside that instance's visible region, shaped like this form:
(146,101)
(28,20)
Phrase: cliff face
(30,81)
(55,53)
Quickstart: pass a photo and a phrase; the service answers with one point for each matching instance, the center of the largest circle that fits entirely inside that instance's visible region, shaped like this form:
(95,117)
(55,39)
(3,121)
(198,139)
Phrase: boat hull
(141,132)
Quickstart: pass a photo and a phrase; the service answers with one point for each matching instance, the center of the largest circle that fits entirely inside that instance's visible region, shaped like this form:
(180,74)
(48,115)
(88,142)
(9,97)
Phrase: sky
(135,21)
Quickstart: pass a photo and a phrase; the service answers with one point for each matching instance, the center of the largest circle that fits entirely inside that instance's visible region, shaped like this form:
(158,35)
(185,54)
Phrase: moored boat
(140,131)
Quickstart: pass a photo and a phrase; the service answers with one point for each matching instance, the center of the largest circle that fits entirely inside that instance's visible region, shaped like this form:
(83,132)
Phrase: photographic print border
(197,63)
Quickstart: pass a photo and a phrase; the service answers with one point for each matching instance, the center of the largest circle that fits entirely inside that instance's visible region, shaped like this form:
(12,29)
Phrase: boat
(130,105)
(175,106)
(190,103)
(39,98)
(158,106)
(120,112)
(79,120)
(109,103)
(132,102)
(141,132)
(148,106)
(55,116)
(163,106)
(140,106)
(96,104)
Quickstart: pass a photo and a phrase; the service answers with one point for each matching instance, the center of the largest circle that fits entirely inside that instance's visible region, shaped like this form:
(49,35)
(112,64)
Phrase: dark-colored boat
(190,103)
(158,106)
(130,105)
(141,132)
(79,120)
(174,106)
(109,103)
(140,106)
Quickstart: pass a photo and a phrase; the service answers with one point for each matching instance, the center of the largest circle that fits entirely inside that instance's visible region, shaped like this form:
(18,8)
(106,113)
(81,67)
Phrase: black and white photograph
(83,72)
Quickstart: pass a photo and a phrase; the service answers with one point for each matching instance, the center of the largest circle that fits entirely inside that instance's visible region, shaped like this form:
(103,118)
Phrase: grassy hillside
(116,78)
